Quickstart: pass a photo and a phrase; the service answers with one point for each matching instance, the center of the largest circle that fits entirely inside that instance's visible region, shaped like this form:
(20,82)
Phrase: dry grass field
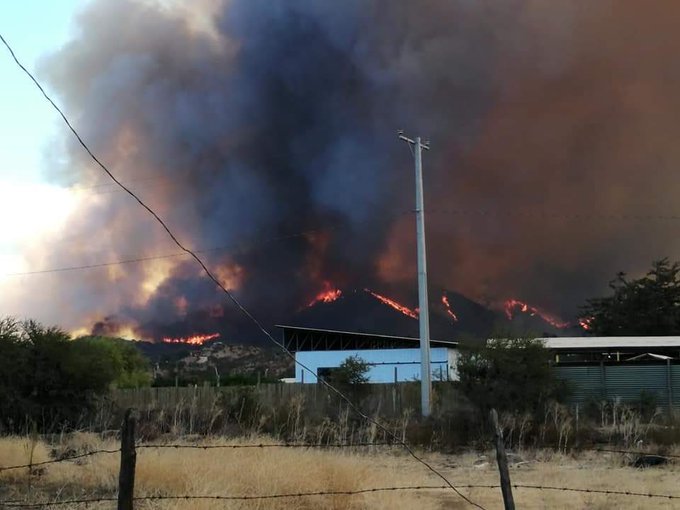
(179,472)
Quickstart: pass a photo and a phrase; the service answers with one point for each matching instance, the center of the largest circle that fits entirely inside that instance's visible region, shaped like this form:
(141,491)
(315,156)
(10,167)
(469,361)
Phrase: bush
(49,380)
(352,371)
(513,376)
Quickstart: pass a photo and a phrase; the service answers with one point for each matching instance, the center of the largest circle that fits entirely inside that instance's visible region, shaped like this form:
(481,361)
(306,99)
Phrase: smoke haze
(264,132)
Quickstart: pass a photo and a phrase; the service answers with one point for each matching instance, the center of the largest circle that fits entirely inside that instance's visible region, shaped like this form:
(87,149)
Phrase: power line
(243,247)
(108,184)
(170,255)
(94,266)
(230,295)
(551,215)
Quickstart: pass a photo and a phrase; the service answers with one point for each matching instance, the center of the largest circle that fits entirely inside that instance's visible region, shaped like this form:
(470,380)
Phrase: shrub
(512,376)
(52,381)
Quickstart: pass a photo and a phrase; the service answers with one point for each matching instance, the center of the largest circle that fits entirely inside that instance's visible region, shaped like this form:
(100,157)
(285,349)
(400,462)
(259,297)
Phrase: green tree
(511,375)
(121,361)
(49,379)
(14,372)
(647,306)
(352,371)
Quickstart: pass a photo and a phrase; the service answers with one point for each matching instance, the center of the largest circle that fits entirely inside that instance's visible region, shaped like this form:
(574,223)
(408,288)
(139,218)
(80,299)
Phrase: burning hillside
(327,295)
(265,138)
(449,311)
(192,340)
(513,307)
(405,310)
(453,316)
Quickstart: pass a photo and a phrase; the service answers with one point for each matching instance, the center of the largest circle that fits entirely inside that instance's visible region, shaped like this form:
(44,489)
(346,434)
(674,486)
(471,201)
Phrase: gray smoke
(248,120)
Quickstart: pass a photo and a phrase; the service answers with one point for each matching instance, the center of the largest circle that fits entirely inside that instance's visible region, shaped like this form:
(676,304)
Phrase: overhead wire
(229,294)
(519,213)
(236,247)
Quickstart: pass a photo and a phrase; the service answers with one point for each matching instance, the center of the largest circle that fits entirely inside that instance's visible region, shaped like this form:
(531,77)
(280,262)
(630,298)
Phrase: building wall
(382,363)
(622,382)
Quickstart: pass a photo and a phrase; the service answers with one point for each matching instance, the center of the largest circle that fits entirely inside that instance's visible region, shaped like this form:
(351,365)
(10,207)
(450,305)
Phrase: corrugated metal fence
(623,382)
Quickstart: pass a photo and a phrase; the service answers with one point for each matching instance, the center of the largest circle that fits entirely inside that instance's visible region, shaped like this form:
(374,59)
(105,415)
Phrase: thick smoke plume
(264,131)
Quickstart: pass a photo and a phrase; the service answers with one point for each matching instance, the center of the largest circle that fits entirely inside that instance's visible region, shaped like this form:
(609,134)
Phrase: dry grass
(590,470)
(17,451)
(175,472)
(178,472)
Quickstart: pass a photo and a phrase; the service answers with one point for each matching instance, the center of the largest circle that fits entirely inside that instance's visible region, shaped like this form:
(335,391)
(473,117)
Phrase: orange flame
(451,313)
(191,340)
(586,323)
(390,302)
(512,306)
(327,295)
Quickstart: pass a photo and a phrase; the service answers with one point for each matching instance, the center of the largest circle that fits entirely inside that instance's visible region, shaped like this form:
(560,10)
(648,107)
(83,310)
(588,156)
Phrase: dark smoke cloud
(255,119)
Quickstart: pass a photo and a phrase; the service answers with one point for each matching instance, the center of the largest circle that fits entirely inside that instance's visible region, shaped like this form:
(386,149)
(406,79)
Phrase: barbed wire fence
(126,498)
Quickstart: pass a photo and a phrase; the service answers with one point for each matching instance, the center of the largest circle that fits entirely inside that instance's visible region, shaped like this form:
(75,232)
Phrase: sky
(29,203)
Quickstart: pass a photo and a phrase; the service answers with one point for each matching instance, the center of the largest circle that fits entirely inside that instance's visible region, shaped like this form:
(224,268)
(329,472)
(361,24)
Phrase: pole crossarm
(424,145)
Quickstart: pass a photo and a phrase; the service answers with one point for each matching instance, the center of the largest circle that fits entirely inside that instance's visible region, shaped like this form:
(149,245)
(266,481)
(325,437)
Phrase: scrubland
(262,471)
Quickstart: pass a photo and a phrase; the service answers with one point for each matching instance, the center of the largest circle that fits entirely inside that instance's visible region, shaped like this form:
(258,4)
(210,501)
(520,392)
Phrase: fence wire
(290,445)
(629,452)
(89,501)
(202,447)
(268,445)
(56,461)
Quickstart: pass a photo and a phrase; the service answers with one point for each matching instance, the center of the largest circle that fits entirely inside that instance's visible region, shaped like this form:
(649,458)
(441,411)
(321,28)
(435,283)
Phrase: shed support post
(669,388)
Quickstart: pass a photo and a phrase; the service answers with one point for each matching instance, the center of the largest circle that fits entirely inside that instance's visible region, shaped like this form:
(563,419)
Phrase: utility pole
(424,315)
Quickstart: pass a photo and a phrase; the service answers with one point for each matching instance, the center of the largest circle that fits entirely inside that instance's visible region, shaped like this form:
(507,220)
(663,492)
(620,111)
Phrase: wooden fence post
(128,460)
(502,459)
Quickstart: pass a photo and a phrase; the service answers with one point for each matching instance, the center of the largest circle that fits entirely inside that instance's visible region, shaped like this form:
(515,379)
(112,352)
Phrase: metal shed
(619,368)
(390,358)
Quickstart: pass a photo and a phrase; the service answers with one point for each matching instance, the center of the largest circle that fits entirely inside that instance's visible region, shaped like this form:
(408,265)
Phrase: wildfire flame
(586,323)
(391,302)
(512,306)
(191,340)
(327,295)
(447,305)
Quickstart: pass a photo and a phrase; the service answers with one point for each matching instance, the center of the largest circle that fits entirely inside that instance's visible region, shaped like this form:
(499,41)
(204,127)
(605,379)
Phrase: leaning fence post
(128,459)
(502,459)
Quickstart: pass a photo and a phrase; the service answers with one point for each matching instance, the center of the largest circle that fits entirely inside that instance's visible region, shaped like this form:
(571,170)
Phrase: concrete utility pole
(424,314)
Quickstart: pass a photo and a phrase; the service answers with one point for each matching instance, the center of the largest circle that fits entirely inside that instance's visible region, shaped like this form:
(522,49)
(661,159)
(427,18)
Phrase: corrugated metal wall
(675,385)
(622,382)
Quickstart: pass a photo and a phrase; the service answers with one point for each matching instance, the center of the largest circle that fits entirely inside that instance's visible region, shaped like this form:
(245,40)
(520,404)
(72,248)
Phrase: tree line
(647,306)
(51,381)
